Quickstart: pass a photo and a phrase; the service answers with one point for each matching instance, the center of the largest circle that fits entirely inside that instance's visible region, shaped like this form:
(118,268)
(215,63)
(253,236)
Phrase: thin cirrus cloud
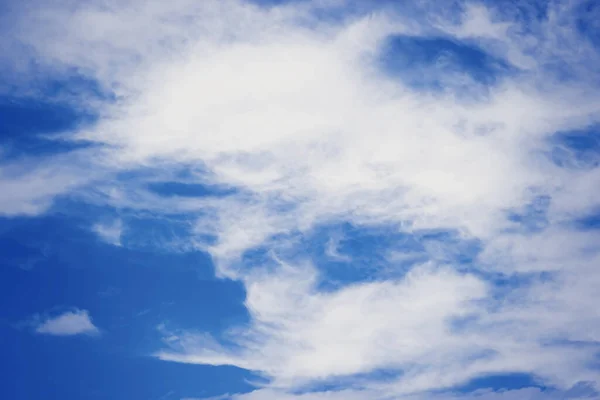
(109,231)
(294,109)
(69,323)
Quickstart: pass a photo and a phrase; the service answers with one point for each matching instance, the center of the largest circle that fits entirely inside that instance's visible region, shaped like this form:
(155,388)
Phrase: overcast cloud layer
(291,117)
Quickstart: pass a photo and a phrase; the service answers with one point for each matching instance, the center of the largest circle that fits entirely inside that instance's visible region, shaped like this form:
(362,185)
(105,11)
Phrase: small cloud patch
(110,232)
(75,322)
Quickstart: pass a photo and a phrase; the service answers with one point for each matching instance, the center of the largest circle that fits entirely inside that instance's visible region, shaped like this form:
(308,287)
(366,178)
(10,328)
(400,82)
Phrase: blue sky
(299,200)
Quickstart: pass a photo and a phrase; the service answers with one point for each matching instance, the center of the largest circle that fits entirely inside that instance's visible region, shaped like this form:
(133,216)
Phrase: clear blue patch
(499,382)
(128,292)
(27,127)
(425,62)
(589,222)
(38,367)
(533,217)
(172,188)
(347,253)
(576,149)
(170,181)
(74,87)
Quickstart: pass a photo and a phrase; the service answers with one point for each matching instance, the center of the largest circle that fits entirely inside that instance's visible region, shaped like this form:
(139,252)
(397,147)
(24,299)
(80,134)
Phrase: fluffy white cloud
(290,108)
(76,322)
(299,334)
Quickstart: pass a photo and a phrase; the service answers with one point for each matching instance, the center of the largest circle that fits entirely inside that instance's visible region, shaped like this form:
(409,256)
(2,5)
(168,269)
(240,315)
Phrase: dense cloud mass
(309,121)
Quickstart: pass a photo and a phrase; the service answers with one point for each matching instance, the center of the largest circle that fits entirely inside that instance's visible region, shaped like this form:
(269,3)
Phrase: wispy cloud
(31,185)
(332,250)
(110,232)
(580,391)
(70,323)
(291,107)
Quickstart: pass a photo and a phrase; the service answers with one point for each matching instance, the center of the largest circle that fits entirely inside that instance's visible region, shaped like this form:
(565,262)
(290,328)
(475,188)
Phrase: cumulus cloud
(70,323)
(293,108)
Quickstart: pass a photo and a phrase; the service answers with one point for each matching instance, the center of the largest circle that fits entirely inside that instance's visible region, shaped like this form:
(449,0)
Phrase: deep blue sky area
(50,264)
(53,263)
(25,121)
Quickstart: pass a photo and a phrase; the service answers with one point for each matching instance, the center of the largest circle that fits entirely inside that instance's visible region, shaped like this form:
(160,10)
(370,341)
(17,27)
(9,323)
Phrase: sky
(299,200)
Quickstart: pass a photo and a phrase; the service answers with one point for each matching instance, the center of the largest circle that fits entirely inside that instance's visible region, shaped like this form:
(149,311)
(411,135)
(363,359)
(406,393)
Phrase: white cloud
(110,232)
(294,112)
(29,186)
(582,391)
(75,322)
(299,335)
(332,250)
